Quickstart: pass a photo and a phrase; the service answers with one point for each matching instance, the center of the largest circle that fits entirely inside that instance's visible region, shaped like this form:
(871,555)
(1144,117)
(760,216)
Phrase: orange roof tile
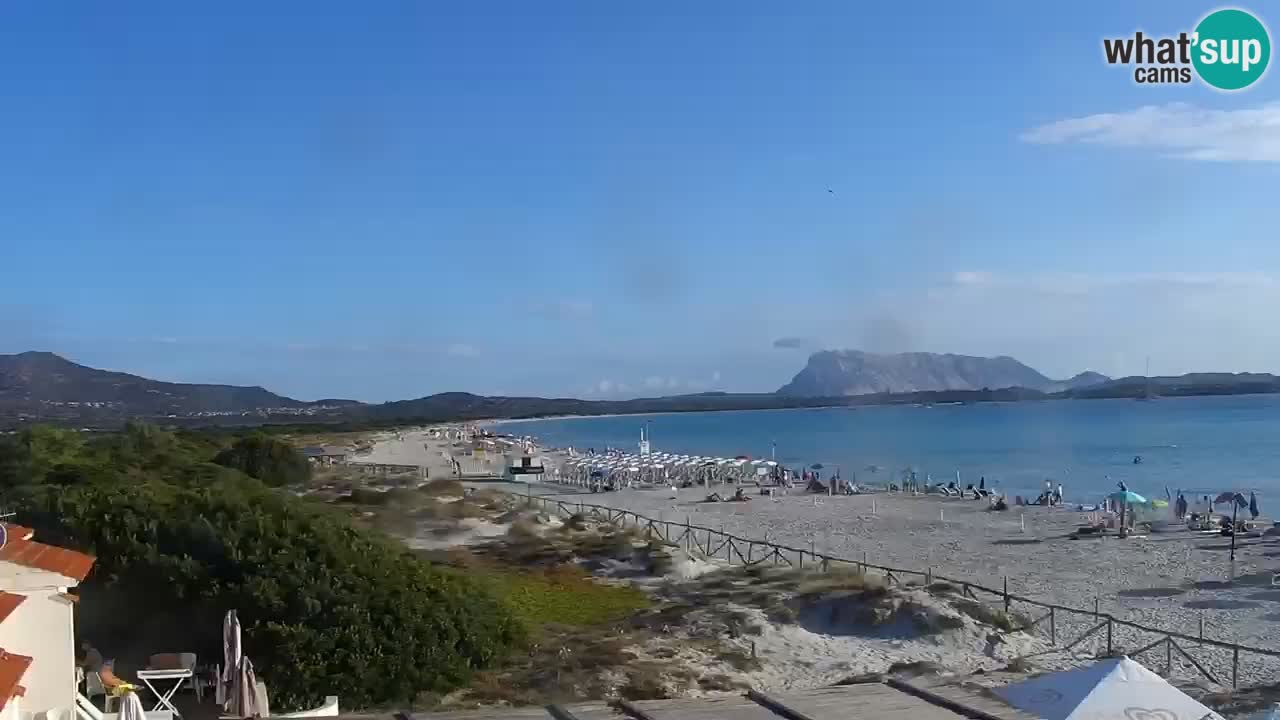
(17,532)
(39,556)
(8,603)
(12,668)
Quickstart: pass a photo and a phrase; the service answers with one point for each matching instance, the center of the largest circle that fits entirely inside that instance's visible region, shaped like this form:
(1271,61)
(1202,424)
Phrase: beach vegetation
(443,487)
(1018,665)
(270,460)
(326,608)
(995,617)
(561,595)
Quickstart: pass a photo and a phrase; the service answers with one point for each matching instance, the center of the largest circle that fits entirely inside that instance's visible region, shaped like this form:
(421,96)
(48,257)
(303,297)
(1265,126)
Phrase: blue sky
(386,200)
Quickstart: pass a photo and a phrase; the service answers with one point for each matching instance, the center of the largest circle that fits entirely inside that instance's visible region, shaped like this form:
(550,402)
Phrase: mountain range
(832,373)
(43,384)
(44,387)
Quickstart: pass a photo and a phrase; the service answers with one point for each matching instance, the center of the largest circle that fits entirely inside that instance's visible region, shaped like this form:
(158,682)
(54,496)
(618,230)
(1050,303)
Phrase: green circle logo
(1232,49)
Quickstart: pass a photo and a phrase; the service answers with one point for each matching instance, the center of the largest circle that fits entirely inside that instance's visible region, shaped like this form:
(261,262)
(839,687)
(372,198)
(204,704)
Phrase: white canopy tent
(1113,689)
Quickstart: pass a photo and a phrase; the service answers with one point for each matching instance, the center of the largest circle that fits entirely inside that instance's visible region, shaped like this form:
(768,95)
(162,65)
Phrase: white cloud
(1178,129)
(462,350)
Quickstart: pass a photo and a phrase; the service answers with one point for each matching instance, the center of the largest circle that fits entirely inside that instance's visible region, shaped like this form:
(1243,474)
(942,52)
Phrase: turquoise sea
(1206,444)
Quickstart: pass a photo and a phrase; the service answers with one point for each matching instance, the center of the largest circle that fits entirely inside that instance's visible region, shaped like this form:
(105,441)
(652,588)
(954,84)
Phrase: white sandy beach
(1172,581)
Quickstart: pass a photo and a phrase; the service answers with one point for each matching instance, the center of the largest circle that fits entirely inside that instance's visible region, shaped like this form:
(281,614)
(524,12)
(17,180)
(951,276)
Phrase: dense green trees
(326,608)
(272,461)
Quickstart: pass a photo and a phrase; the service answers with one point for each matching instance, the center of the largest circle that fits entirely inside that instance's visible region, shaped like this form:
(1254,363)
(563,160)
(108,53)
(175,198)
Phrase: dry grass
(983,613)
(572,665)
(1018,665)
(443,488)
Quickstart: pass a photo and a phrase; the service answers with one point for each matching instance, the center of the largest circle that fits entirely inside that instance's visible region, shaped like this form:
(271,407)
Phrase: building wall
(12,709)
(43,628)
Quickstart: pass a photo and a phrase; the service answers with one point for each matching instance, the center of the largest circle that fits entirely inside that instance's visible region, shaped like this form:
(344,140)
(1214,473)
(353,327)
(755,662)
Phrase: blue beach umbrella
(1271,713)
(1128,497)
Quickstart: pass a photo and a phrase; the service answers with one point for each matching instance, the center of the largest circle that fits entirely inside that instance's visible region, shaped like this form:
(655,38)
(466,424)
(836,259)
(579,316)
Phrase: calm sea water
(1206,444)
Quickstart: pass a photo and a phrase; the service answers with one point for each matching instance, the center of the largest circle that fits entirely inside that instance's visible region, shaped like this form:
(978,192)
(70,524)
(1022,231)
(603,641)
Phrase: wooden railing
(1050,619)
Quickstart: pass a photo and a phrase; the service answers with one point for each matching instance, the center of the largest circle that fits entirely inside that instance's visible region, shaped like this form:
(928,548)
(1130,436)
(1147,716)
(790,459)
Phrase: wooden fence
(1067,628)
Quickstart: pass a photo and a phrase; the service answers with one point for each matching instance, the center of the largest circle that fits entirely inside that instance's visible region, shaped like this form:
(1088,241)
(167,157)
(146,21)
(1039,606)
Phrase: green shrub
(369,496)
(563,595)
(326,609)
(272,461)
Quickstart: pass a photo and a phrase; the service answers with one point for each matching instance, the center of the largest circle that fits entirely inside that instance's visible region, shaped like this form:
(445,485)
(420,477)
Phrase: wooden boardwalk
(894,701)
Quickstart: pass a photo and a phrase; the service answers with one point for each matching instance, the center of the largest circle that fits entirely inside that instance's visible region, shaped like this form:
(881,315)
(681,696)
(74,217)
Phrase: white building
(37,625)
(521,467)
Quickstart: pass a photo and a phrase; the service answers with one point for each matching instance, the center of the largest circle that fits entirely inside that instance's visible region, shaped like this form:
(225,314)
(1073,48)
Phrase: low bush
(326,608)
(563,595)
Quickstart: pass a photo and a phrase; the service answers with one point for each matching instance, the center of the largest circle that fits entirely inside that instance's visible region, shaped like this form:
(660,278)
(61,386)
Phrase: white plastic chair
(93,687)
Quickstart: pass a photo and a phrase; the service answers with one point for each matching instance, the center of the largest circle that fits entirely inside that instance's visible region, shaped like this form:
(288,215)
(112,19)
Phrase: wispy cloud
(462,350)
(1177,129)
(793,343)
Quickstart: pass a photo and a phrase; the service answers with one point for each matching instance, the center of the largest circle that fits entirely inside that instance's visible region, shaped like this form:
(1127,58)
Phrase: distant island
(44,387)
(832,373)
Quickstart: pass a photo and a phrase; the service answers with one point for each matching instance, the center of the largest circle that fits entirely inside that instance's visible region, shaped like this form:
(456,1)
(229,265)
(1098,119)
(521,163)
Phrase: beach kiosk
(521,467)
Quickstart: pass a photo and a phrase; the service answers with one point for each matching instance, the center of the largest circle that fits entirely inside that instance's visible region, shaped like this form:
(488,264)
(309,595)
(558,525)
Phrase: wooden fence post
(1006,594)
(1235,666)
(1108,636)
(1053,627)
(1168,657)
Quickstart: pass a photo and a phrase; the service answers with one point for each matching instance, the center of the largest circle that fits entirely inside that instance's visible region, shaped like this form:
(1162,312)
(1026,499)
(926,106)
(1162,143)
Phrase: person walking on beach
(1059,493)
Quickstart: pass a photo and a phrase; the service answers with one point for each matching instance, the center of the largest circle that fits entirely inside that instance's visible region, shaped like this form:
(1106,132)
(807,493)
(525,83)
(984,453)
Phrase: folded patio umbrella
(231,653)
(244,693)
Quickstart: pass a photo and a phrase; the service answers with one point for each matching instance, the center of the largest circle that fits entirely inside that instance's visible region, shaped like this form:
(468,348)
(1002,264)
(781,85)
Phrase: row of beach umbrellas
(660,468)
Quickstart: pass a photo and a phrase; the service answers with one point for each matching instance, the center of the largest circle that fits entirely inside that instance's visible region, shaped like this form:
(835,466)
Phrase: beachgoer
(92,660)
(1059,493)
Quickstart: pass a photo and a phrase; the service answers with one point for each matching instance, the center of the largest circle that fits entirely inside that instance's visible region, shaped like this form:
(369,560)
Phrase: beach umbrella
(1127,497)
(1271,713)
(1253,506)
(1112,689)
(244,693)
(231,653)
(1226,497)
(816,466)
